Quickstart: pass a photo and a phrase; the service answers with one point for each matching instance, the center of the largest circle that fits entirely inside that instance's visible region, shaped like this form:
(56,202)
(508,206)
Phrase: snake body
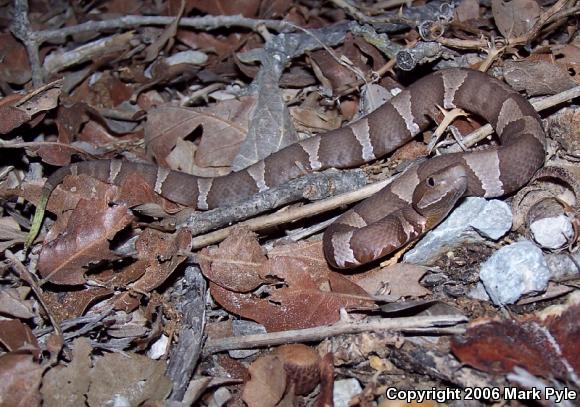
(406,208)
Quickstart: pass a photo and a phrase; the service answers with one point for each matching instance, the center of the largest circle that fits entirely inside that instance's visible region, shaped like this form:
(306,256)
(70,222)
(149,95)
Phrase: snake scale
(405,209)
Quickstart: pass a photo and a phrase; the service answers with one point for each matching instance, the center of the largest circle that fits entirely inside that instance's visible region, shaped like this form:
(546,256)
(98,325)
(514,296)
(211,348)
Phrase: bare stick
(32,40)
(321,332)
(312,187)
(22,30)
(267,221)
(26,276)
(129,22)
(554,100)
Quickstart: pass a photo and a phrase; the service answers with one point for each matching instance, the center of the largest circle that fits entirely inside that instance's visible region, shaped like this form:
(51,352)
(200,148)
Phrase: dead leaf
(11,117)
(225,125)
(14,66)
(336,74)
(66,197)
(69,121)
(12,304)
(544,349)
(40,100)
(159,254)
(180,158)
(10,233)
(566,332)
(274,8)
(166,39)
(127,301)
(16,336)
(20,379)
(221,46)
(23,109)
(247,8)
(92,224)
(287,309)
(235,370)
(537,77)
(306,299)
(107,90)
(371,57)
(236,264)
(310,119)
(68,385)
(267,384)
(467,10)
(101,132)
(410,151)
(398,280)
(130,377)
(74,303)
(515,17)
(78,121)
(569,58)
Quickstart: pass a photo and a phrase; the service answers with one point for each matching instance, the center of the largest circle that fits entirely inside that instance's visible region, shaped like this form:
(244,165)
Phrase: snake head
(437,194)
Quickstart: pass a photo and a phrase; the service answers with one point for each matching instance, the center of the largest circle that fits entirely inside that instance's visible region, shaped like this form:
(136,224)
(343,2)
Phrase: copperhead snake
(405,209)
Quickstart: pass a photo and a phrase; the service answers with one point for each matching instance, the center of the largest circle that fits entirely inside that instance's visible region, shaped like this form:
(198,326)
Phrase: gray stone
(494,221)
(474,219)
(563,266)
(478,293)
(513,271)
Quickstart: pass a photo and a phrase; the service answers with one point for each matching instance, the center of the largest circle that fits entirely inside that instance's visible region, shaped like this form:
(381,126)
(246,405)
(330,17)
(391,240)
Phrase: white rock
(159,348)
(513,271)
(552,233)
(472,219)
(344,391)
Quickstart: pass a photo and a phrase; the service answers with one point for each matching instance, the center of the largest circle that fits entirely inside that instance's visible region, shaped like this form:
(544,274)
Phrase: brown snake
(406,208)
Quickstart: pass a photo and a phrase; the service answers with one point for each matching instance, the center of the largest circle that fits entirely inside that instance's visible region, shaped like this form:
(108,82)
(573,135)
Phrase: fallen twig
(322,332)
(314,186)
(27,277)
(268,221)
(32,40)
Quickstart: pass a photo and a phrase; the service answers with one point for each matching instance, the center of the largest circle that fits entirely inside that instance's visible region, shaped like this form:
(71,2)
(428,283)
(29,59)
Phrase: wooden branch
(322,332)
(268,221)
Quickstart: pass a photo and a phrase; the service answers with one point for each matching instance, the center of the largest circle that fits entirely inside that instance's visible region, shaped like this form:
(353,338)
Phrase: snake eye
(431,182)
